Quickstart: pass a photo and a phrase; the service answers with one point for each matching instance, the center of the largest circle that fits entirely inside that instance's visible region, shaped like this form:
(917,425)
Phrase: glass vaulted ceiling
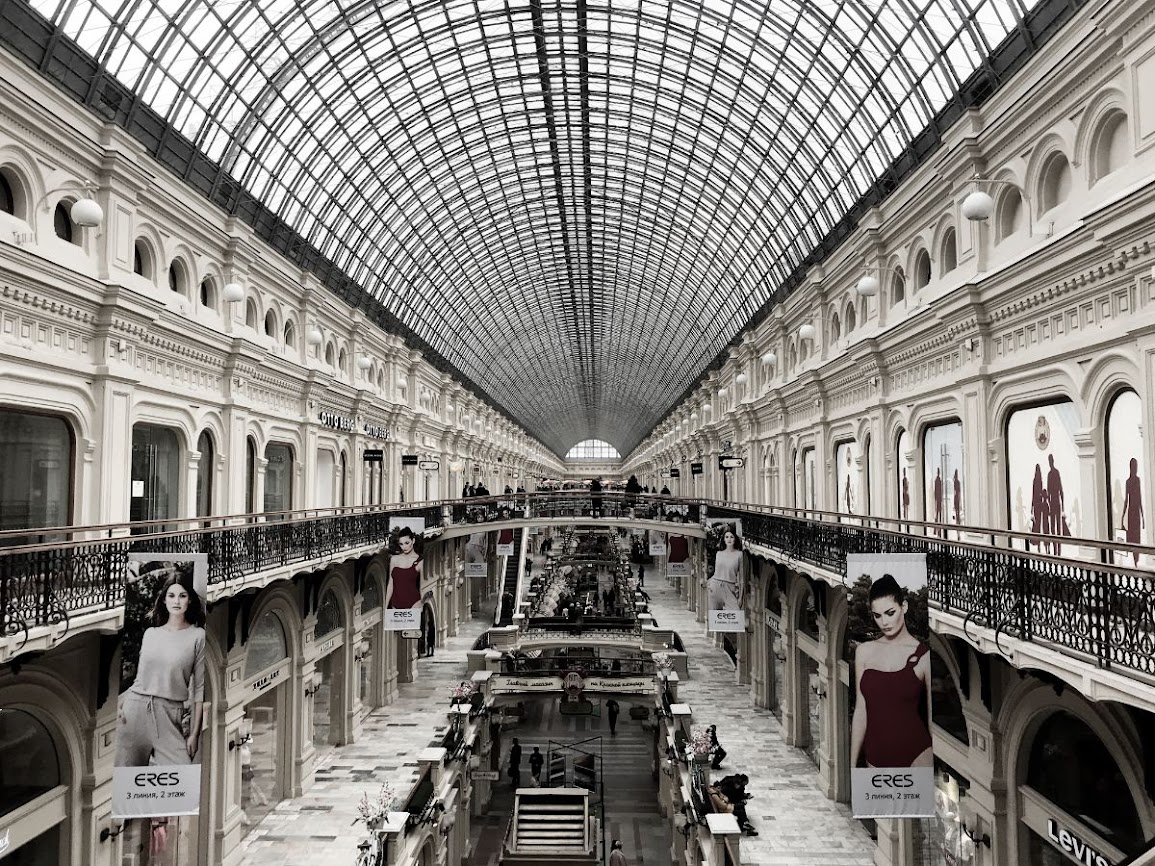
(577,204)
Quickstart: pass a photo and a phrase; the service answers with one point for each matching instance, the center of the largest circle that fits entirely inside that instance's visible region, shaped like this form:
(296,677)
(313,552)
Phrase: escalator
(509,590)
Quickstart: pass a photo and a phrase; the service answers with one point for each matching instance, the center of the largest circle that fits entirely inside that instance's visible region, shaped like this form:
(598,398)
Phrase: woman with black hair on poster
(891,723)
(170,674)
(404,590)
(727,584)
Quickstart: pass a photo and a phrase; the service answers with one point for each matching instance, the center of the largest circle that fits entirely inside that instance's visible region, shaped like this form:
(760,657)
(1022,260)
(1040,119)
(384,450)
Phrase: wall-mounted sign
(1075,847)
(376,431)
(675,472)
(411,633)
(408,459)
(266,681)
(373,455)
(327,645)
(476,569)
(335,421)
(429,465)
(731,462)
(695,468)
(665,473)
(484,775)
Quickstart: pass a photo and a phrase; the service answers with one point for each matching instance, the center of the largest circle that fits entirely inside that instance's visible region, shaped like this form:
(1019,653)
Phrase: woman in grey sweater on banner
(169,676)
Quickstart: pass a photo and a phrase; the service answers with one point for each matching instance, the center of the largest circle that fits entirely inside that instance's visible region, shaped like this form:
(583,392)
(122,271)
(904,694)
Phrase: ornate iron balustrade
(1090,608)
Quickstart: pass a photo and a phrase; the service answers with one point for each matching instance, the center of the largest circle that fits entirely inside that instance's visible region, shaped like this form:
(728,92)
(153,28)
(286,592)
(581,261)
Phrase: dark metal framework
(575,205)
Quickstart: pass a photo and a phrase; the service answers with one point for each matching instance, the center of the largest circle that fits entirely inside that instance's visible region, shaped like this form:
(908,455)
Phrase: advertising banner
(476,569)
(505,542)
(476,555)
(160,711)
(892,764)
(678,557)
(657,543)
(403,593)
(728,572)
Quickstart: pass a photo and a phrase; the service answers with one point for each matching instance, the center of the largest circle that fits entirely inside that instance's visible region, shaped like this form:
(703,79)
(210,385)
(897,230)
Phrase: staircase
(511,585)
(551,825)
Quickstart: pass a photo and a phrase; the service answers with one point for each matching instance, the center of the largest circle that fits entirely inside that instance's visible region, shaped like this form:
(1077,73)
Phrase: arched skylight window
(593,449)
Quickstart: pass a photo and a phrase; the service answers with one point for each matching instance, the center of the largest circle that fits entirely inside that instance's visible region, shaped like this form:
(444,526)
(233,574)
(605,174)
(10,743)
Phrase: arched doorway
(329,678)
(34,791)
(265,757)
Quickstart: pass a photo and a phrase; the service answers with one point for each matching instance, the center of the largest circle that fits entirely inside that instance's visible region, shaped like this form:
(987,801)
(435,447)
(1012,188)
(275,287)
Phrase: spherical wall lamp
(868,286)
(233,292)
(313,335)
(978,206)
(364,362)
(742,378)
(707,409)
(807,332)
(86,212)
(723,391)
(769,359)
(694,417)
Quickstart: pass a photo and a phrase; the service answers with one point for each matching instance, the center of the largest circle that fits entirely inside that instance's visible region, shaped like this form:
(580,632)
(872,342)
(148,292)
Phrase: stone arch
(25,178)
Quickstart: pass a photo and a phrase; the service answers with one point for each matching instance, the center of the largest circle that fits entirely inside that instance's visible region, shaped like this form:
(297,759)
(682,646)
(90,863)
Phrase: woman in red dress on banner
(891,724)
(404,573)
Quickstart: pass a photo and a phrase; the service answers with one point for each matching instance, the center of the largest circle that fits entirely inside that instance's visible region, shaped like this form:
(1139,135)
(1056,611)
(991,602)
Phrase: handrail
(1086,607)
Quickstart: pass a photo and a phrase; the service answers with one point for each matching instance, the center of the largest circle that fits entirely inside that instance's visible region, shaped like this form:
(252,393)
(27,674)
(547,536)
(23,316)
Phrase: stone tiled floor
(798,825)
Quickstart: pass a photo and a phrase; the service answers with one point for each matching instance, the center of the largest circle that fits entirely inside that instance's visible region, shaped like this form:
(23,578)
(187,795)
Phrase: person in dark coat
(515,763)
(612,711)
(717,750)
(596,493)
(536,762)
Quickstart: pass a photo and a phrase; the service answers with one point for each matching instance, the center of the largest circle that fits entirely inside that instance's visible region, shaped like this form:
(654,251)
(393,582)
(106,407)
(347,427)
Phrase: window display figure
(170,677)
(891,722)
(404,573)
(1133,519)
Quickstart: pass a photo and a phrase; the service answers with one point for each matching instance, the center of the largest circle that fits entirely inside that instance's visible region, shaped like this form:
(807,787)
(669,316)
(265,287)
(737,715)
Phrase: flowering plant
(463,691)
(699,742)
(662,661)
(373,811)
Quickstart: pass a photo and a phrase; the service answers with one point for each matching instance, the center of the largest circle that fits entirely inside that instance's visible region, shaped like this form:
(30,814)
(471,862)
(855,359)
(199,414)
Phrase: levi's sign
(731,462)
(1075,847)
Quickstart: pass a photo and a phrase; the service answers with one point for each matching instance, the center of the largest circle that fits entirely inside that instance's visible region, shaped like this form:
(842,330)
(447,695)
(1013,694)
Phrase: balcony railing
(1089,603)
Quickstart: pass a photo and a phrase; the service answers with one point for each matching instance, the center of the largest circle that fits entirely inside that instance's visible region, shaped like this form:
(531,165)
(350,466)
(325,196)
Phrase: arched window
(267,645)
(897,287)
(593,449)
(851,318)
(1010,215)
(251,314)
(278,477)
(250,475)
(205,474)
(270,324)
(341,361)
(1110,146)
(370,595)
(835,328)
(1070,767)
(7,194)
(944,697)
(290,335)
(949,257)
(62,223)
(29,764)
(178,277)
(329,616)
(1055,182)
(143,261)
(36,460)
(208,295)
(330,354)
(921,270)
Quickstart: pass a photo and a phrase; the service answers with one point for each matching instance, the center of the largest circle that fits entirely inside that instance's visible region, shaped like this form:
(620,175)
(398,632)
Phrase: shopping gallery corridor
(318,828)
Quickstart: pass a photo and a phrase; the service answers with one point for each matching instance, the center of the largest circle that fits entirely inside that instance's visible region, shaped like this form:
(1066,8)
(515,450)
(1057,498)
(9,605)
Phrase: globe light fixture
(769,359)
(868,286)
(233,292)
(807,332)
(742,378)
(978,206)
(364,362)
(87,213)
(313,335)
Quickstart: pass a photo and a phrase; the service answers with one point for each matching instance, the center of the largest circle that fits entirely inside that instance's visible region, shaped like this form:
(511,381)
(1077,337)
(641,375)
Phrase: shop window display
(278,477)
(156,473)
(29,766)
(36,465)
(260,788)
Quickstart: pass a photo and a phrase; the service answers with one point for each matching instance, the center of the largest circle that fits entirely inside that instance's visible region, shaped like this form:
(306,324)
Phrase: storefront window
(36,465)
(278,477)
(29,765)
(370,595)
(205,475)
(250,476)
(1070,767)
(267,645)
(948,713)
(260,785)
(366,670)
(155,473)
(325,473)
(328,615)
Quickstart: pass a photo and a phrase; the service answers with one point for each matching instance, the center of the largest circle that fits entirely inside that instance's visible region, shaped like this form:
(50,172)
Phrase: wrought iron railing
(1090,603)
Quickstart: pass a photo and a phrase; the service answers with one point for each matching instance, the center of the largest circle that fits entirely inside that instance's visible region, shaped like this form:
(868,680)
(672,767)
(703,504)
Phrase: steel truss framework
(576,206)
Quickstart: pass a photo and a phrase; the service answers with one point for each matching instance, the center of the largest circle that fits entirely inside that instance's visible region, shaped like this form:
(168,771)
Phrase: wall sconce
(314,684)
(742,378)
(364,362)
(233,292)
(819,690)
(244,735)
(362,651)
(807,332)
(447,823)
(314,336)
(723,391)
(976,837)
(108,832)
(769,359)
(85,212)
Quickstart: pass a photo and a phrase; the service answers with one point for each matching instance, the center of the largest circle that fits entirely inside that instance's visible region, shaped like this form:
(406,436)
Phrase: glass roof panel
(614,195)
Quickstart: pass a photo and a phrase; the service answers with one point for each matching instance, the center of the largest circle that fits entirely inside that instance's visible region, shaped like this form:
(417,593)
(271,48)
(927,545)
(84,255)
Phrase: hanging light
(978,206)
(364,362)
(868,286)
(86,212)
(233,292)
(723,391)
(313,335)
(807,332)
(769,359)
(694,417)
(742,378)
